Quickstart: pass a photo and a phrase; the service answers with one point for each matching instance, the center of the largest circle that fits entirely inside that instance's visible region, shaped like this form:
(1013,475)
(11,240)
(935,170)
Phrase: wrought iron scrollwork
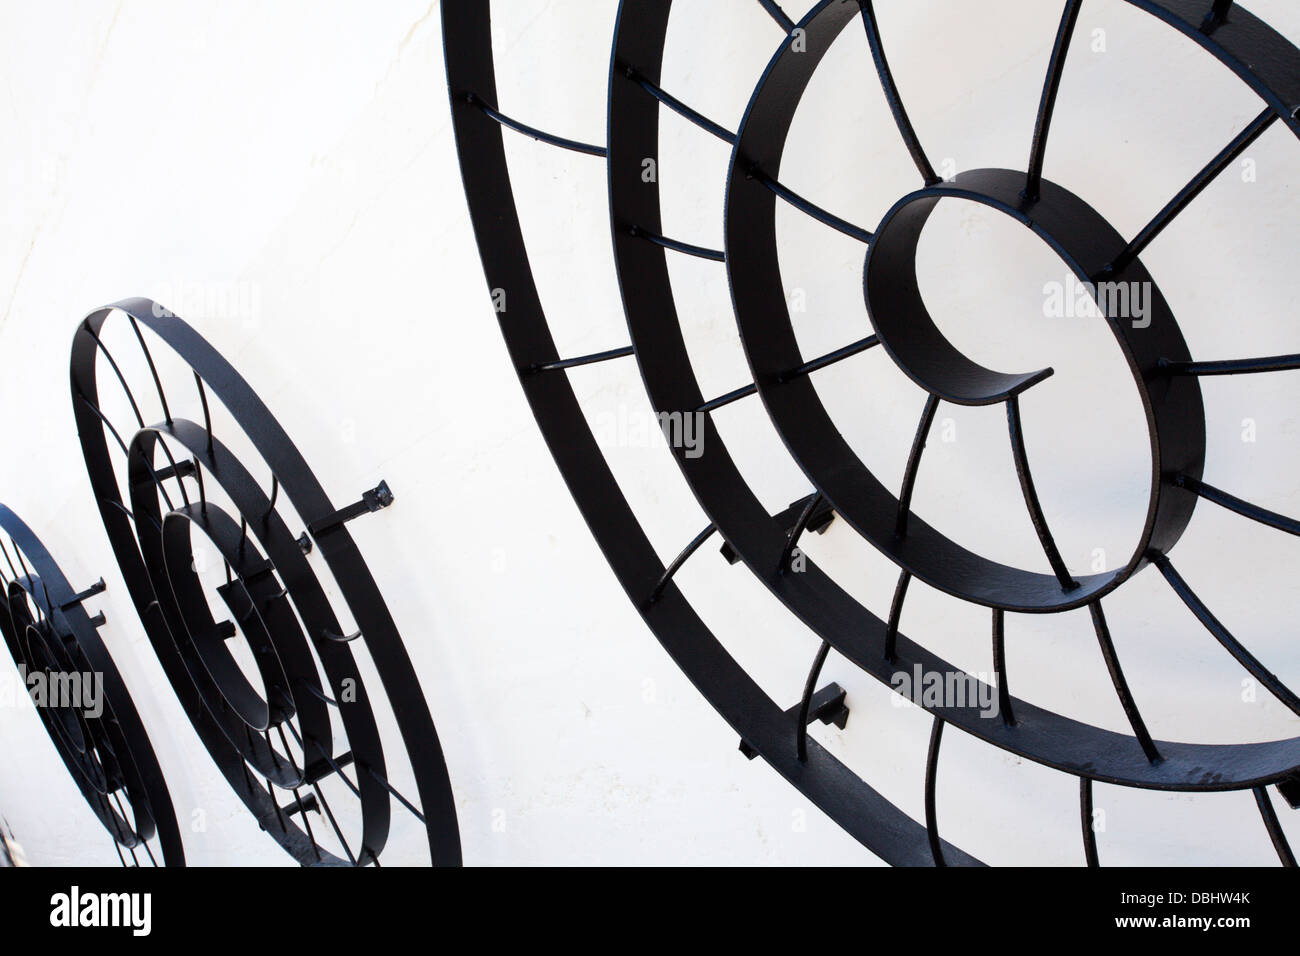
(1166,374)
(243,573)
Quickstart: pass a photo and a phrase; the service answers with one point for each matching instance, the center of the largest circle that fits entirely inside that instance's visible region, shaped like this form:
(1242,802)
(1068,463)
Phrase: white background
(282,175)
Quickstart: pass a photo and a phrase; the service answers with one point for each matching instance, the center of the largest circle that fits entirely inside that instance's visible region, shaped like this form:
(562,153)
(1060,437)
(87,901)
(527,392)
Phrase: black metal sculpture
(244,620)
(83,701)
(1165,373)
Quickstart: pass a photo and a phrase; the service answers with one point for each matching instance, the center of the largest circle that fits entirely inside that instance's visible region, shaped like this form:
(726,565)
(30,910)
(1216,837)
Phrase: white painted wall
(299,155)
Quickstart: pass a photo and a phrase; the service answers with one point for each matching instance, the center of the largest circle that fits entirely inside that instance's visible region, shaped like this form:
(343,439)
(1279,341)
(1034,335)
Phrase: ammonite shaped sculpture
(1167,378)
(83,701)
(244,573)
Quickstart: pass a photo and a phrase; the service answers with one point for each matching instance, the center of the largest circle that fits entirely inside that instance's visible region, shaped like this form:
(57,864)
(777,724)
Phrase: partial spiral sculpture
(82,700)
(243,573)
(1166,374)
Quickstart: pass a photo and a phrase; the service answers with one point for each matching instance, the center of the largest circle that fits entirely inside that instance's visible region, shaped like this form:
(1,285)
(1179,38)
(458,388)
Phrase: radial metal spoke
(681,559)
(812,209)
(777,14)
(721,132)
(104,418)
(723,400)
(9,561)
(1221,634)
(117,371)
(207,415)
(1217,15)
(931,781)
(676,245)
(805,703)
(393,790)
(1085,820)
(532,131)
(914,465)
(792,542)
(325,755)
(1192,190)
(303,812)
(1031,497)
(1272,363)
(1274,827)
(1000,667)
(153,369)
(1235,504)
(1051,86)
(830,358)
(681,109)
(584,360)
(1121,684)
(807,368)
(329,815)
(890,88)
(896,614)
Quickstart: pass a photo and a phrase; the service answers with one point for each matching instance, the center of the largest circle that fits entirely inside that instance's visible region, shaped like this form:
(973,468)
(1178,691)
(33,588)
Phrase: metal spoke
(914,464)
(896,614)
(1221,634)
(812,209)
(1273,363)
(207,415)
(1235,504)
(777,14)
(722,133)
(393,790)
(792,541)
(1085,819)
(1000,667)
(153,369)
(1121,684)
(1046,107)
(1274,827)
(532,131)
(681,109)
(1193,189)
(723,400)
(890,88)
(931,781)
(1031,497)
(810,685)
(329,814)
(1217,15)
(700,252)
(681,559)
(584,360)
(112,363)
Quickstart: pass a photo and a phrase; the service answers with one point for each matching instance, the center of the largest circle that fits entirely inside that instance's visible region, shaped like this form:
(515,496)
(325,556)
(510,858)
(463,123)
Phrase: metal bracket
(318,770)
(1289,789)
(309,804)
(827,705)
(821,519)
(182,469)
(99,587)
(378,497)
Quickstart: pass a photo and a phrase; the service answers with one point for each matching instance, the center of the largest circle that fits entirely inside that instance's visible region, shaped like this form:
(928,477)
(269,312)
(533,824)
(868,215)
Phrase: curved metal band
(853,804)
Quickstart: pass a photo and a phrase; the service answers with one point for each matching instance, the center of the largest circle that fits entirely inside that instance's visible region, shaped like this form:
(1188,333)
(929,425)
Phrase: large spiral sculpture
(1166,374)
